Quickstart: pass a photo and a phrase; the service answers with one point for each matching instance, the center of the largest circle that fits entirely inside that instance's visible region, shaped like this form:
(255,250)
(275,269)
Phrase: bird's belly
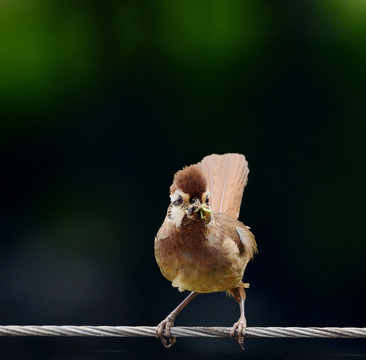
(205,281)
(204,271)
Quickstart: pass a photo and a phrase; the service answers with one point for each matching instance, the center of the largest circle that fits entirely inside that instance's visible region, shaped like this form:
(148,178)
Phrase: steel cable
(181,331)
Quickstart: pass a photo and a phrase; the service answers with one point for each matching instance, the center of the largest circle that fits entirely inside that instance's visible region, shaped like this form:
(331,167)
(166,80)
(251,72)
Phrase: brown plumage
(190,180)
(201,246)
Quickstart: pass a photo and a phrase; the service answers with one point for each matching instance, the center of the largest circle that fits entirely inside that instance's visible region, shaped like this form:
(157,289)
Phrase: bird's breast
(198,258)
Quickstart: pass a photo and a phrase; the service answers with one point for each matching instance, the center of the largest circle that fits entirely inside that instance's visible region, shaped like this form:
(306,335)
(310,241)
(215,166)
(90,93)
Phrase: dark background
(102,102)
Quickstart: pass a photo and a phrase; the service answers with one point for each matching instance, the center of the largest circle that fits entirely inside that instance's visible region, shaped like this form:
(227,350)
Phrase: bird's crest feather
(190,180)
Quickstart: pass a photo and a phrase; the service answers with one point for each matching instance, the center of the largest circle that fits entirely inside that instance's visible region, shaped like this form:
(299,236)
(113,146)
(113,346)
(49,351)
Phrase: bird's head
(189,196)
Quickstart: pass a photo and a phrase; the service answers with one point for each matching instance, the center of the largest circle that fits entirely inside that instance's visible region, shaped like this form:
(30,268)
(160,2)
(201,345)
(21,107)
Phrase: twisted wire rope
(181,331)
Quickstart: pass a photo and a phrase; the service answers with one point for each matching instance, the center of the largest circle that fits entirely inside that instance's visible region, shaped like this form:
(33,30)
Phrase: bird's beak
(191,209)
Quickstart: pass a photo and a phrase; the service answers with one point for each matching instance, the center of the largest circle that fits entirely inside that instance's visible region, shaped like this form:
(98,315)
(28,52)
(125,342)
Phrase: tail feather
(227,176)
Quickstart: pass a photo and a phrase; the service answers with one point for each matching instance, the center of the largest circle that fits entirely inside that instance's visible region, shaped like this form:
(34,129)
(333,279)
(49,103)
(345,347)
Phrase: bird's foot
(238,331)
(163,332)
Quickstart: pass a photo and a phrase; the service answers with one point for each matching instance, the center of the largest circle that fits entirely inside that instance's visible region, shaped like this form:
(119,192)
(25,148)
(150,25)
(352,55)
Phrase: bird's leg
(238,331)
(163,329)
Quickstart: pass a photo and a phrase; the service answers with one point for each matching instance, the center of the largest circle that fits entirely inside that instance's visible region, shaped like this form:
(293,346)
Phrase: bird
(201,246)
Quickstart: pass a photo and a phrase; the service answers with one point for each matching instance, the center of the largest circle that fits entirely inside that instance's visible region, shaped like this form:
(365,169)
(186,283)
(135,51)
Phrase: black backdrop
(102,102)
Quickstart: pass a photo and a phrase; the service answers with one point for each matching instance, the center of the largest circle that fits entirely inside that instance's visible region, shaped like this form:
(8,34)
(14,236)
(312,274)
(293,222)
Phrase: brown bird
(201,246)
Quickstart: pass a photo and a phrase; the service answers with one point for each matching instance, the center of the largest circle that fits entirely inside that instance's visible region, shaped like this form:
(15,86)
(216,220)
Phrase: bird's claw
(163,332)
(238,332)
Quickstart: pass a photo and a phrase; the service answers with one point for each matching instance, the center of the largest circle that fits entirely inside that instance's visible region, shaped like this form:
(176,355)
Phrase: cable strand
(181,331)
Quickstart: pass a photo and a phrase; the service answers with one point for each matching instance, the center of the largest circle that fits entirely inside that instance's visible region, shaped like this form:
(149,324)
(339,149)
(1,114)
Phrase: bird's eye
(178,202)
(207,199)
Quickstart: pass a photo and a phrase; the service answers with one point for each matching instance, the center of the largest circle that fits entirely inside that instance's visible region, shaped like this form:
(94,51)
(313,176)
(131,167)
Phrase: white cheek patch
(176,215)
(175,196)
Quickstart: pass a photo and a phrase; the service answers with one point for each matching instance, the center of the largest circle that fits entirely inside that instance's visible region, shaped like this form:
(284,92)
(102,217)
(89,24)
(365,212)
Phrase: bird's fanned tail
(227,176)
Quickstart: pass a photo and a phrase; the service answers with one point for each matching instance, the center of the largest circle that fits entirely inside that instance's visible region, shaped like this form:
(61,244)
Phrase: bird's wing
(248,240)
(227,176)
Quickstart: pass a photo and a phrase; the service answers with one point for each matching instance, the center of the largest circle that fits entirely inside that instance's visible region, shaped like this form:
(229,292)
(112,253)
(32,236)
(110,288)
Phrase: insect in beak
(203,210)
